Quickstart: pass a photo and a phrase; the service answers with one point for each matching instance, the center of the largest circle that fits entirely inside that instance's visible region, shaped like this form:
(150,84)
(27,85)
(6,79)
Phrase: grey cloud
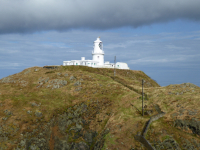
(21,16)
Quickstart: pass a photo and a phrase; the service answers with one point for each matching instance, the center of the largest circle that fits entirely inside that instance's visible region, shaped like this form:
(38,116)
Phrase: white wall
(121,65)
(99,58)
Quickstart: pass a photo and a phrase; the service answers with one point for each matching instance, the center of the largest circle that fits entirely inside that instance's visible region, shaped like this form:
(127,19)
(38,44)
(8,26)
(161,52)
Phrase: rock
(190,85)
(56,86)
(34,147)
(27,72)
(77,83)
(61,144)
(80,146)
(22,143)
(89,136)
(194,112)
(48,86)
(38,113)
(78,89)
(149,112)
(42,81)
(29,112)
(72,78)
(157,107)
(36,70)
(4,118)
(34,104)
(7,80)
(192,124)
(66,75)
(7,112)
(64,82)
(69,122)
(78,127)
(59,74)
(46,80)
(56,83)
(170,93)
(181,110)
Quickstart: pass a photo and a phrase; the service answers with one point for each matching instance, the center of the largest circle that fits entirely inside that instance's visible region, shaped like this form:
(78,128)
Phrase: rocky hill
(82,108)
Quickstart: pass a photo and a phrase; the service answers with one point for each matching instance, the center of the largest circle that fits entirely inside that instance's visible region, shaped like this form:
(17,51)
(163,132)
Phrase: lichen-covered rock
(71,132)
(72,78)
(38,113)
(78,88)
(77,83)
(23,83)
(80,146)
(33,104)
(192,124)
(28,71)
(167,144)
(56,83)
(43,80)
(66,75)
(8,112)
(157,107)
(89,136)
(192,112)
(190,85)
(29,112)
(7,80)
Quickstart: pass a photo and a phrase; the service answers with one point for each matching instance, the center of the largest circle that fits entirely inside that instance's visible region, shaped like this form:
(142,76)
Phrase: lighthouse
(97,59)
(98,53)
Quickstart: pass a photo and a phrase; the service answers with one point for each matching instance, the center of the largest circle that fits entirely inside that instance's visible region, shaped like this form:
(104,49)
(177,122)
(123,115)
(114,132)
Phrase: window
(88,63)
(98,57)
(76,63)
(117,65)
(94,63)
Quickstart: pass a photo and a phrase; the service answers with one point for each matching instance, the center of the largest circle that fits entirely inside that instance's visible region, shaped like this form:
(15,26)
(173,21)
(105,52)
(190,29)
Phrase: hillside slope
(78,107)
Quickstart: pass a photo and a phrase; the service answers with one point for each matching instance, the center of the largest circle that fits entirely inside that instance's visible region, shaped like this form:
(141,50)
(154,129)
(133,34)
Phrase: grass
(166,137)
(115,98)
(109,140)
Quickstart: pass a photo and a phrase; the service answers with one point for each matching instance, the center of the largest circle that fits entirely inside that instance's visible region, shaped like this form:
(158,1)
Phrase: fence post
(142,98)
(114,67)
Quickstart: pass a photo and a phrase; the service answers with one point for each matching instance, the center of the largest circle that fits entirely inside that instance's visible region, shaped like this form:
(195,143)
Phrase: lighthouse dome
(98,40)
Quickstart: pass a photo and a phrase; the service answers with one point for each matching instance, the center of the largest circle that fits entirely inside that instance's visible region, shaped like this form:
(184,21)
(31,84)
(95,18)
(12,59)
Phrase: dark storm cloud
(38,15)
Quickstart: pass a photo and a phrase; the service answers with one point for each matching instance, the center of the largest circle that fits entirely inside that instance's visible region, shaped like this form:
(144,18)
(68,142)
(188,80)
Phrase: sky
(159,37)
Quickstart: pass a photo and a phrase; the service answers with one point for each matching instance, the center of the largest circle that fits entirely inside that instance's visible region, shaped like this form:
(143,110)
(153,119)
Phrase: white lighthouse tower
(98,53)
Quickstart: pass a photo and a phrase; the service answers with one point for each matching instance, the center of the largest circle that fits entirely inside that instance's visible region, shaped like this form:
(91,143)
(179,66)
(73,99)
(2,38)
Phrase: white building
(97,59)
